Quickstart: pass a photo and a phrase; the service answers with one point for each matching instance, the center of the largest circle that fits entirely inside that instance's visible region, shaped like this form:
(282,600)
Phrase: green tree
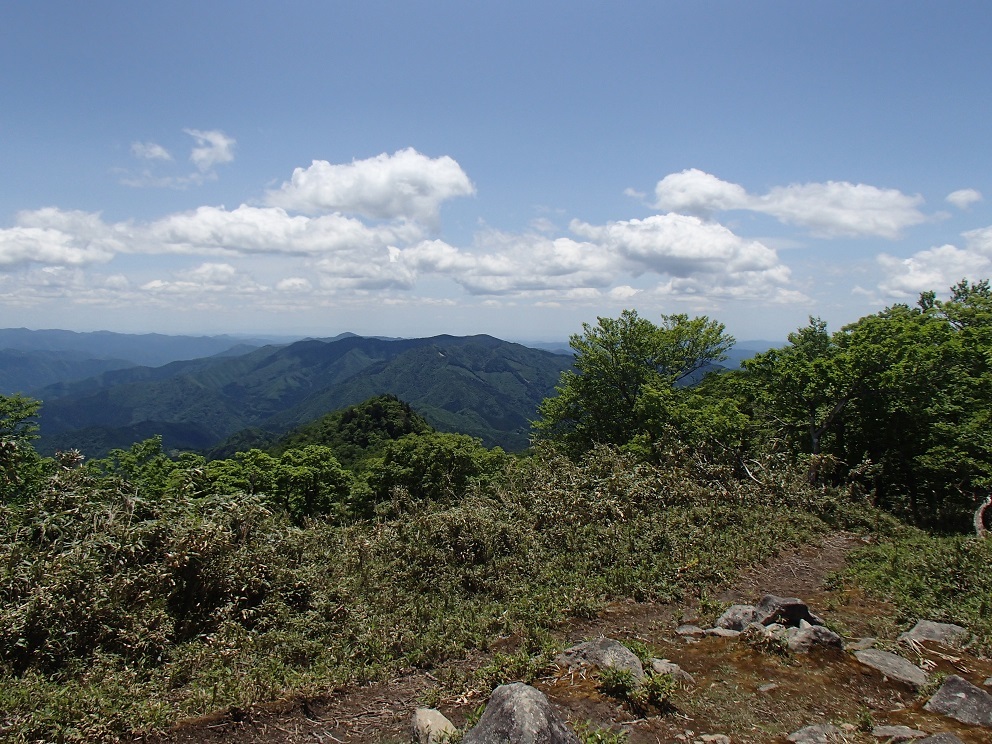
(21,468)
(309,482)
(616,362)
(802,388)
(433,467)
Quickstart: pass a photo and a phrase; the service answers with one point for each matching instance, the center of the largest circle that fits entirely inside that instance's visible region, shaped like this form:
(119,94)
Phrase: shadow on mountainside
(745,694)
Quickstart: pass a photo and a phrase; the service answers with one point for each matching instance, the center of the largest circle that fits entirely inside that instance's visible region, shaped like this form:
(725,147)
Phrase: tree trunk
(980,517)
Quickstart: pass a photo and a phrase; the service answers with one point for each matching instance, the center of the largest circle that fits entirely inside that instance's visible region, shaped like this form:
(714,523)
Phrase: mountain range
(104,390)
(477,385)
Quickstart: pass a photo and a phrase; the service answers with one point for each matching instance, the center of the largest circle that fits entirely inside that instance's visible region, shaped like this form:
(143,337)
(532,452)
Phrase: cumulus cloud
(405,185)
(694,192)
(831,209)
(213,147)
(150,151)
(504,263)
(932,269)
(963,198)
(937,268)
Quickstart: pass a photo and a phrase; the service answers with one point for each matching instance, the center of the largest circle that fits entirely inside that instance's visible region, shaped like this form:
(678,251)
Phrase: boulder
(945,633)
(892,666)
(813,638)
(896,733)
(602,653)
(737,617)
(821,733)
(690,631)
(942,738)
(519,714)
(722,632)
(664,666)
(962,701)
(431,727)
(785,611)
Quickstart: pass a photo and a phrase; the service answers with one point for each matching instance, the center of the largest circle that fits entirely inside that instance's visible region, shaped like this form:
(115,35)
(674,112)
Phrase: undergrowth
(121,614)
(933,577)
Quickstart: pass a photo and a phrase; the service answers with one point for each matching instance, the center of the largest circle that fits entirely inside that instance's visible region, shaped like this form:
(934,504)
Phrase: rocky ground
(741,691)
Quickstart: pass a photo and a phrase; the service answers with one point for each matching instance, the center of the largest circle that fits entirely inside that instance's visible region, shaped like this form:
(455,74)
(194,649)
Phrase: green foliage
(20,467)
(932,577)
(122,612)
(625,372)
(359,431)
(650,693)
(590,733)
(432,467)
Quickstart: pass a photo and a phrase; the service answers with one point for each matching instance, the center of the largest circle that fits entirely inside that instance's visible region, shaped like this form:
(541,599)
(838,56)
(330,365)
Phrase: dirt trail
(750,696)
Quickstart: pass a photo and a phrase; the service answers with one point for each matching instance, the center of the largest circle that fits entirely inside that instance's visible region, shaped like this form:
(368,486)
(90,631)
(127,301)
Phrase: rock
(737,617)
(430,726)
(785,610)
(892,666)
(692,631)
(715,739)
(988,682)
(962,701)
(945,633)
(664,666)
(768,688)
(723,632)
(941,738)
(821,733)
(519,714)
(814,637)
(602,653)
(863,644)
(896,733)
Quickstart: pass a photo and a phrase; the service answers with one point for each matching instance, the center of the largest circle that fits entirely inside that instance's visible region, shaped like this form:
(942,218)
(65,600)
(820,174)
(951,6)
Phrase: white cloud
(979,240)
(932,269)
(269,230)
(831,209)
(213,147)
(150,151)
(504,263)
(405,184)
(964,198)
(937,268)
(294,285)
(839,208)
(694,192)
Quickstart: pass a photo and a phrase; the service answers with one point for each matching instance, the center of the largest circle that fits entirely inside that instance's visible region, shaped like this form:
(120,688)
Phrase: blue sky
(413,168)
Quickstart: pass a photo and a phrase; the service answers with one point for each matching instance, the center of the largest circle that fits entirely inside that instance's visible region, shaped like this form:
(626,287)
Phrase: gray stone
(784,610)
(862,644)
(988,682)
(943,737)
(715,739)
(431,727)
(664,666)
(896,733)
(962,701)
(692,631)
(945,633)
(602,653)
(768,688)
(892,666)
(814,637)
(737,617)
(519,714)
(723,632)
(821,733)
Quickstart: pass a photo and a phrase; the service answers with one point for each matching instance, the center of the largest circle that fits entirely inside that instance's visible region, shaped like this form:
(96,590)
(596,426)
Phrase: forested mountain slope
(477,385)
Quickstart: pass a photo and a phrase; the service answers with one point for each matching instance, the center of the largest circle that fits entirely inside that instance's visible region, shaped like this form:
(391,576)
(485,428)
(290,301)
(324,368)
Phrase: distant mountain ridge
(478,385)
